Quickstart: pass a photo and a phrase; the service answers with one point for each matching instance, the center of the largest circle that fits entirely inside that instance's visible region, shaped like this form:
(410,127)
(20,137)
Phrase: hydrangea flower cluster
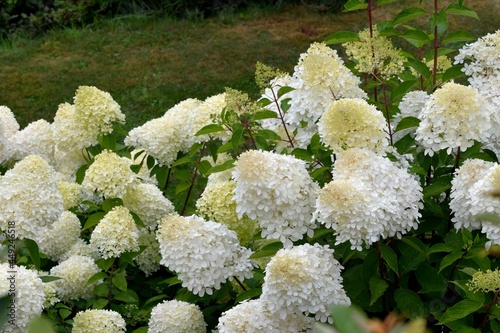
(216,204)
(109,175)
(176,317)
(98,321)
(370,198)
(204,254)
(29,296)
(149,259)
(34,139)
(305,279)
(375,54)
(462,201)
(116,233)
(8,127)
(454,117)
(147,201)
(278,192)
(353,123)
(485,281)
(254,316)
(29,197)
(319,78)
(74,273)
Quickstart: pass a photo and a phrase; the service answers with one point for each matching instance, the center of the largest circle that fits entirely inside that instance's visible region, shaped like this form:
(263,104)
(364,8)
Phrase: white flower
(353,123)
(148,201)
(176,317)
(110,175)
(254,316)
(454,117)
(277,191)
(116,233)
(8,127)
(462,201)
(216,203)
(204,254)
(81,248)
(29,197)
(149,259)
(306,279)
(72,192)
(370,198)
(74,273)
(98,321)
(28,299)
(34,139)
(57,239)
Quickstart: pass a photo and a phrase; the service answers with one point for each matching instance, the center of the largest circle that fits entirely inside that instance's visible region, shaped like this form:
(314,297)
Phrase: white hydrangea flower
(29,297)
(81,248)
(149,259)
(353,123)
(461,203)
(29,197)
(454,117)
(319,78)
(216,203)
(205,114)
(164,137)
(278,192)
(148,201)
(116,233)
(57,239)
(370,198)
(176,317)
(34,139)
(109,175)
(8,127)
(74,273)
(254,316)
(306,279)
(98,321)
(72,192)
(410,106)
(375,54)
(204,254)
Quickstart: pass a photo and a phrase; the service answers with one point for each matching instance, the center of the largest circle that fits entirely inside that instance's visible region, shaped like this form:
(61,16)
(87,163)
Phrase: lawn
(150,64)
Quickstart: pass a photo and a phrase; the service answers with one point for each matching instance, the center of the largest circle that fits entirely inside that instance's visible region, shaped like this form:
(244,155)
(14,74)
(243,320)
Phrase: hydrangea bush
(356,194)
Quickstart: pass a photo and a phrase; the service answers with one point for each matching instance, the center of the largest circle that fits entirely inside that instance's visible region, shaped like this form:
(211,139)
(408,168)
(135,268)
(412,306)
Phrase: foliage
(421,272)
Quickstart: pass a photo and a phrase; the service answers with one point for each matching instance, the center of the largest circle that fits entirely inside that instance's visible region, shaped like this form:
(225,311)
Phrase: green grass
(148,65)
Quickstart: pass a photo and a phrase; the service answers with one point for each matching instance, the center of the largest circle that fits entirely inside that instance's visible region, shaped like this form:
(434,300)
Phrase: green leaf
(377,288)
(302,154)
(316,173)
(100,303)
(110,203)
(181,187)
(421,68)
(222,167)
(212,128)
(137,219)
(251,293)
(268,134)
(267,251)
(128,296)
(183,160)
(284,90)
(107,141)
(409,14)
(340,37)
(456,9)
(96,277)
(409,303)
(105,264)
(401,90)
(450,259)
(352,5)
(64,313)
(454,72)
(404,144)
(460,310)
(385,2)
(80,173)
(34,252)
(435,189)
(440,247)
(236,137)
(48,278)
(266,114)
(347,319)
(407,122)
(120,282)
(155,299)
(417,38)
(416,244)
(458,37)
(495,218)
(93,220)
(389,256)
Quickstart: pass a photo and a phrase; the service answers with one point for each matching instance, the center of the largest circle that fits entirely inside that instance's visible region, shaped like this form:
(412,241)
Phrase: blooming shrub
(369,182)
